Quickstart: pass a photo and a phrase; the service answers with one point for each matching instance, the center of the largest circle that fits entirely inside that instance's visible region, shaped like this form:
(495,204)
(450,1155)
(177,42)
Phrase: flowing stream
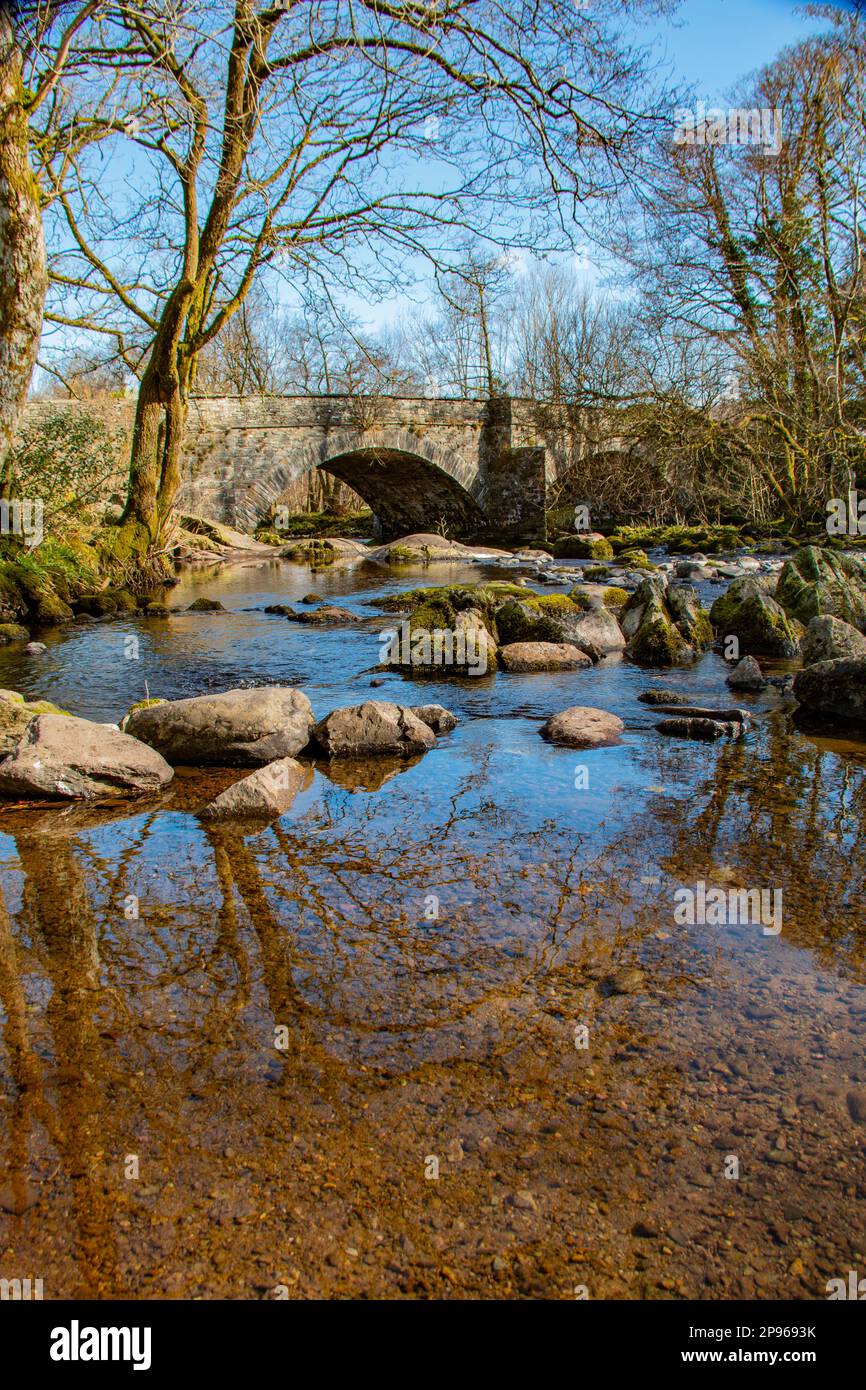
(438,1030)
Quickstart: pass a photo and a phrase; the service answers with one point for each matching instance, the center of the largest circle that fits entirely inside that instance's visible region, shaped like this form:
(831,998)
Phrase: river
(437,1031)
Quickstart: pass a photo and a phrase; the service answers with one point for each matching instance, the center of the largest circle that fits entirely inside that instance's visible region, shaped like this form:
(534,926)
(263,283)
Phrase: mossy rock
(582,548)
(518,622)
(818,583)
(692,620)
(594,574)
(206,605)
(13,632)
(635,560)
(15,720)
(658,641)
(106,602)
(614,597)
(580,598)
(140,704)
(748,612)
(45,707)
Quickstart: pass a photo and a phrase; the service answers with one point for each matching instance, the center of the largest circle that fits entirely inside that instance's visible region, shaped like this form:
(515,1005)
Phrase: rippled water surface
(281,1027)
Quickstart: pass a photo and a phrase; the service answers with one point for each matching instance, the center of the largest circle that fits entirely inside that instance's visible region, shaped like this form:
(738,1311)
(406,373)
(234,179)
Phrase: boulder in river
(582,726)
(749,612)
(206,605)
(818,583)
(664,627)
(746,675)
(374,729)
(60,756)
(436,717)
(236,728)
(542,656)
(262,795)
(834,690)
(830,639)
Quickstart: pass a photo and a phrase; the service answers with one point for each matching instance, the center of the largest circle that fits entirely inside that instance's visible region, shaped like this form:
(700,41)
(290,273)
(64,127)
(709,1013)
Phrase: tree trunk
(23,274)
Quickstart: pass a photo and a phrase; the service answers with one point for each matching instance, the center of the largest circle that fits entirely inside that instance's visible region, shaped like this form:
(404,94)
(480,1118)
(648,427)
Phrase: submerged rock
(235,728)
(60,756)
(263,795)
(746,675)
(762,627)
(582,726)
(830,639)
(374,729)
(723,716)
(328,613)
(700,728)
(663,697)
(542,656)
(834,690)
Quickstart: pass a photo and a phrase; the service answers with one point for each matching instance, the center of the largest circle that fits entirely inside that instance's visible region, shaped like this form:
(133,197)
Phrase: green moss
(816,582)
(517,622)
(581,548)
(657,642)
(45,707)
(555,603)
(593,574)
(614,597)
(635,560)
(749,613)
(13,632)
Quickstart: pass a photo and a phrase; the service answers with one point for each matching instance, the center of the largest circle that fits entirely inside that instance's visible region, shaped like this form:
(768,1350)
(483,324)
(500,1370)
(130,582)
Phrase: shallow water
(283,1027)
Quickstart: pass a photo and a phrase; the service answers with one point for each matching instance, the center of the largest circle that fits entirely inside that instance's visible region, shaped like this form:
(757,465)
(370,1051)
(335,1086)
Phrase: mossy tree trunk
(23,273)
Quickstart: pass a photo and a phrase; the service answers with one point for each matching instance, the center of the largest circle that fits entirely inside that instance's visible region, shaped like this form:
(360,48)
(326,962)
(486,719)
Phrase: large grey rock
(238,728)
(834,690)
(377,728)
(542,656)
(581,726)
(60,756)
(746,675)
(596,632)
(262,795)
(831,639)
(436,717)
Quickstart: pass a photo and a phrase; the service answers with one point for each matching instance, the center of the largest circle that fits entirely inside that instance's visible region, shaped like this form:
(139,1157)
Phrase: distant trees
(753,255)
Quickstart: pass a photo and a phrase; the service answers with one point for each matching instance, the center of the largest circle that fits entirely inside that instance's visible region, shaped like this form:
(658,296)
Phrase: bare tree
(755,246)
(331,140)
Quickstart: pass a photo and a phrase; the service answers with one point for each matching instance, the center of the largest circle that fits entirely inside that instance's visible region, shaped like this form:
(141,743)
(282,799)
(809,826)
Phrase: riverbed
(436,1032)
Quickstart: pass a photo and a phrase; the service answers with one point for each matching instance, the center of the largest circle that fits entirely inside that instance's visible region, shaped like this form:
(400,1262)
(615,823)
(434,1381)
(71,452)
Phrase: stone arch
(410,482)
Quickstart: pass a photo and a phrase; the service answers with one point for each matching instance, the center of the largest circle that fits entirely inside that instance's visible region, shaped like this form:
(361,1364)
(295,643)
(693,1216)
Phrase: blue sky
(713,43)
(710,45)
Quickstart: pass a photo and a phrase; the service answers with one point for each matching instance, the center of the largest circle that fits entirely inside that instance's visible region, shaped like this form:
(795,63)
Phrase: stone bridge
(473,466)
(478,468)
